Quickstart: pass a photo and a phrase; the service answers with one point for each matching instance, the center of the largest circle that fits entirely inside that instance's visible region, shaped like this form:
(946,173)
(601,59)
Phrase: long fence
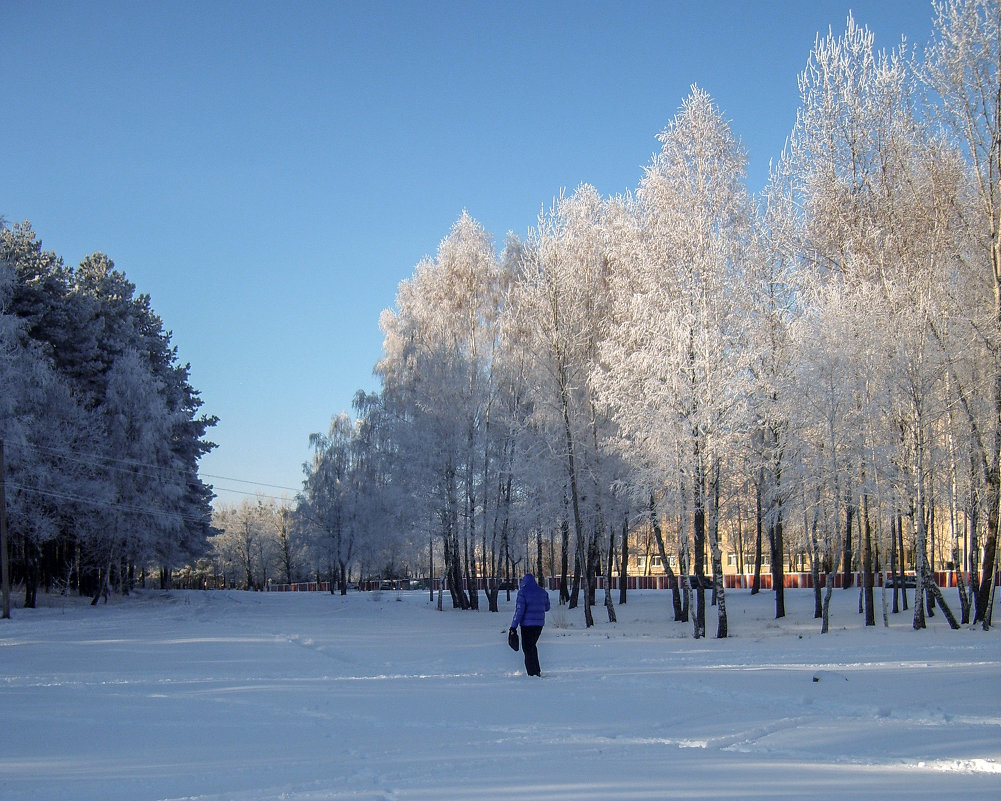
(737,581)
(300,586)
(364,586)
(731,581)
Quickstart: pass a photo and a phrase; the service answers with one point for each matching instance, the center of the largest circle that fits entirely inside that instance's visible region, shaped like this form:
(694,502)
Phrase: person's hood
(528,581)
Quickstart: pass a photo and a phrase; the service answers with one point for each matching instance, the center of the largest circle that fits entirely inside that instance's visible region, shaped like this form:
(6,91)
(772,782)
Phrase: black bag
(512,639)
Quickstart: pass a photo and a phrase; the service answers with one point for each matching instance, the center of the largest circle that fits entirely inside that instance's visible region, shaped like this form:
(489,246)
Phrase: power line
(98,460)
(68,496)
(251,494)
(246,481)
(156,471)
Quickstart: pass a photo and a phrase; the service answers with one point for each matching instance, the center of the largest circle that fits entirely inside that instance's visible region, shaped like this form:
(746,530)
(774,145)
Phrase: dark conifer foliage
(101,425)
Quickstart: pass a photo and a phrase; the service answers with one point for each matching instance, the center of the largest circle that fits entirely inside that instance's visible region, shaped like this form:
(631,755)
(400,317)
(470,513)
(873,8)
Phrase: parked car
(893,580)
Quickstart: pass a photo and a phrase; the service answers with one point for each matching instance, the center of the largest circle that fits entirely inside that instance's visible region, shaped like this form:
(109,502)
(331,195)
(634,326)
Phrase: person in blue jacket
(530,613)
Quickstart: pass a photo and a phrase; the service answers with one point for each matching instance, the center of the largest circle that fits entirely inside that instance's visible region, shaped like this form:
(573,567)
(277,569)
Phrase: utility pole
(4,565)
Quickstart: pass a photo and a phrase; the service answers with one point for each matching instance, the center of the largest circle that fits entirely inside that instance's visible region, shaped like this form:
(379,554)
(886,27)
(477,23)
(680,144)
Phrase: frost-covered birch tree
(239,543)
(834,151)
(828,415)
(775,304)
(439,347)
(326,502)
(962,68)
(676,355)
(561,300)
(872,178)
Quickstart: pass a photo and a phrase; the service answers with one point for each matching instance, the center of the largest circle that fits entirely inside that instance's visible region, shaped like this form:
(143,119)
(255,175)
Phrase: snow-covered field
(250,696)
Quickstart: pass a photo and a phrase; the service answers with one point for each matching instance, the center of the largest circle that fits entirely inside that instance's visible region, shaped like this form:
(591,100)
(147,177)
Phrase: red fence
(804,580)
(944,578)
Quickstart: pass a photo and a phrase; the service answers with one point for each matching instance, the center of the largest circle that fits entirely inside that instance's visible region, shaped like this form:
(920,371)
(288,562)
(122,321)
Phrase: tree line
(823,358)
(100,428)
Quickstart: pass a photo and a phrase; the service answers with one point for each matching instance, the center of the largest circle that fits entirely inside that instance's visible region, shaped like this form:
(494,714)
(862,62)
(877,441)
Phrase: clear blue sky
(269,171)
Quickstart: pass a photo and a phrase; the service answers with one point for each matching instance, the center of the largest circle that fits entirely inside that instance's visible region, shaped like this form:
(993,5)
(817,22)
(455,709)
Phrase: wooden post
(4,565)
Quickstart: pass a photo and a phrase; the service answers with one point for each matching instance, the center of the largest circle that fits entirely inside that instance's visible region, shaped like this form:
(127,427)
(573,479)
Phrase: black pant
(529,638)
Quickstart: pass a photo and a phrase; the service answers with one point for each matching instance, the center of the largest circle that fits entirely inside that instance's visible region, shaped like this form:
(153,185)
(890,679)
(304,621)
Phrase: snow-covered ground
(251,696)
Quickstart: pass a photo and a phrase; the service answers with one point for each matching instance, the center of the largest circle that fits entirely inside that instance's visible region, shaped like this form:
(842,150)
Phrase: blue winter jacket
(532,604)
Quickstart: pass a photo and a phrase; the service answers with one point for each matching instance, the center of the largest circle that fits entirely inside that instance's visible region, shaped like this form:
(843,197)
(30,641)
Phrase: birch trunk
(717,558)
(609,606)
(659,538)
